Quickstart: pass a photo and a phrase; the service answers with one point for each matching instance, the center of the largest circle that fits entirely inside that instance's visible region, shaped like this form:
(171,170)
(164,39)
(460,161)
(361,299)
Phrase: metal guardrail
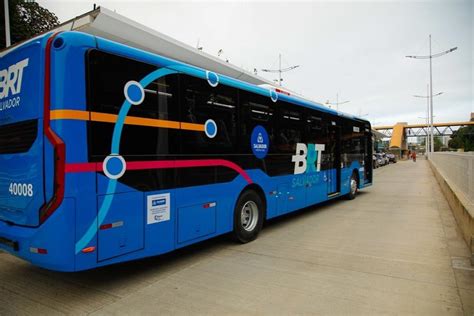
(458,169)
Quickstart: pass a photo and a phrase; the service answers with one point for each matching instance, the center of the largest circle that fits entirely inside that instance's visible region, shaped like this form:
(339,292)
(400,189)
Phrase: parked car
(391,157)
(381,159)
(375,163)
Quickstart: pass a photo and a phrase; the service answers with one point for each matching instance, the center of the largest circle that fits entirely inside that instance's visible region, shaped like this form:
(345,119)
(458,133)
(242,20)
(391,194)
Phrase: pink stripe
(161,164)
(83,167)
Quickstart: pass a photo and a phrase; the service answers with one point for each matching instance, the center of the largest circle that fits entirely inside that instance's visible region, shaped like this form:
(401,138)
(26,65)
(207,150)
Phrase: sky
(353,49)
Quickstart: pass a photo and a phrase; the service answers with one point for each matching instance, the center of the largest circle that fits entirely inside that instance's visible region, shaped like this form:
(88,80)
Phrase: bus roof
(115,27)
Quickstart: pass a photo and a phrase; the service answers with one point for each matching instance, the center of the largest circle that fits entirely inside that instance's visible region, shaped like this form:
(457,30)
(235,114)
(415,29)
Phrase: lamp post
(7,24)
(429,130)
(427,135)
(430,57)
(280,70)
(337,102)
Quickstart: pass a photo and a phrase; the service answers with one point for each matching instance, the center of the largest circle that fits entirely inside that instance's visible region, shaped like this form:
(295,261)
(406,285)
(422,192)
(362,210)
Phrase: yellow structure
(398,138)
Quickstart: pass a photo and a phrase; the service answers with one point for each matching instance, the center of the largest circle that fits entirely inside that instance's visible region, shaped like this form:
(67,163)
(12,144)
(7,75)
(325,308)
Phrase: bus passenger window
(107,76)
(291,126)
(201,103)
(255,110)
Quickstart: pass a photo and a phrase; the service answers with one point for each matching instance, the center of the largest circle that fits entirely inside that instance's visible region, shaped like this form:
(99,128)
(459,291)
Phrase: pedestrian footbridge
(399,132)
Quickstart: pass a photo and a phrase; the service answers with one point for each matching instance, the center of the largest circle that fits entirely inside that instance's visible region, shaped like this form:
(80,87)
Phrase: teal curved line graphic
(104,209)
(112,184)
(116,136)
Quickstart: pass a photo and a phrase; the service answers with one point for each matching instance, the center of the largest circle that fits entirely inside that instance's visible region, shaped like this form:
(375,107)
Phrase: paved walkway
(394,250)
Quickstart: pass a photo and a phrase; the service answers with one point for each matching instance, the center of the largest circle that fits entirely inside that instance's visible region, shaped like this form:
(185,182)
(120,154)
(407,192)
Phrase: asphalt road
(395,249)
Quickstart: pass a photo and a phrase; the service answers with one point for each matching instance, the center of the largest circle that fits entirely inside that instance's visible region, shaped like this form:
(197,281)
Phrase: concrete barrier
(455,174)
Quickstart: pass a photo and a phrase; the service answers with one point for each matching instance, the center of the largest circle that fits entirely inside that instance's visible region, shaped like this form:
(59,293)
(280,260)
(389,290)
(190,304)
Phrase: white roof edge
(113,26)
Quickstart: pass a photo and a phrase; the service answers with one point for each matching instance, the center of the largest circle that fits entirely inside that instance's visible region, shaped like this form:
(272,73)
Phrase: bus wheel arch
(258,189)
(249,214)
(357,175)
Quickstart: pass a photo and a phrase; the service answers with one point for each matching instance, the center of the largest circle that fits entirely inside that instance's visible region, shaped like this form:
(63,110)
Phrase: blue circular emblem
(134,92)
(273,95)
(114,166)
(260,142)
(212,78)
(210,128)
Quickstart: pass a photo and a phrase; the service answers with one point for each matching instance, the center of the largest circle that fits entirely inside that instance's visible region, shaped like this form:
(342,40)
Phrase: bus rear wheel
(248,217)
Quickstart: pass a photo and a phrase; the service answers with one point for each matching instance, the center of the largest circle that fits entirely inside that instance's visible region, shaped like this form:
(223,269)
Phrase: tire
(353,185)
(248,217)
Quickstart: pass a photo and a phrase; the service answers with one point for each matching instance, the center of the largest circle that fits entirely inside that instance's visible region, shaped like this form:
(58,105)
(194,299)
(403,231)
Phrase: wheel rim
(249,216)
(353,186)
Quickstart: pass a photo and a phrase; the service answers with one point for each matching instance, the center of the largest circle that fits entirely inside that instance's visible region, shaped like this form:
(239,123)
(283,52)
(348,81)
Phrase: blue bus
(109,153)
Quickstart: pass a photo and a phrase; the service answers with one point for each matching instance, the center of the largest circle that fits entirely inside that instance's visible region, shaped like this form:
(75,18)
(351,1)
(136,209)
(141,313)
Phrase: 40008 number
(21,189)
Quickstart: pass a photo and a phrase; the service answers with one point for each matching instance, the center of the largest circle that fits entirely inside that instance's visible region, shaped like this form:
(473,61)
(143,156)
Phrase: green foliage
(437,143)
(463,138)
(26,20)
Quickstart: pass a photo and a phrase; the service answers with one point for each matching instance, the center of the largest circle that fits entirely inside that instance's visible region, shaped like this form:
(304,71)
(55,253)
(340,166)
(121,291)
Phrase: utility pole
(431,101)
(280,70)
(428,116)
(7,24)
(427,141)
(430,57)
(337,102)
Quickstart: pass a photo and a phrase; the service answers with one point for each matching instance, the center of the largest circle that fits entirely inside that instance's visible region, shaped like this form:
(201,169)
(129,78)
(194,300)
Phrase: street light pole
(428,141)
(280,70)
(431,56)
(7,24)
(429,117)
(431,102)
(337,102)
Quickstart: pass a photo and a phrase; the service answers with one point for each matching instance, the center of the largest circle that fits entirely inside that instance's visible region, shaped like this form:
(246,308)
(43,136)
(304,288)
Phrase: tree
(463,138)
(26,20)
(437,143)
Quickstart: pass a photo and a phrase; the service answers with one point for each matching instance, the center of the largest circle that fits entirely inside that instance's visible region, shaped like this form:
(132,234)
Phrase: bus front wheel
(353,186)
(248,217)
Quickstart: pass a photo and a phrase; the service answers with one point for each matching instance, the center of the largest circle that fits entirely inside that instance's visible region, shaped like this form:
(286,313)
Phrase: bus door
(368,156)
(316,185)
(333,156)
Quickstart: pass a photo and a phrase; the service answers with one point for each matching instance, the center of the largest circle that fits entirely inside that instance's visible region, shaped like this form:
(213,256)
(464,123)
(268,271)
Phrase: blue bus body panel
(21,99)
(21,96)
(56,235)
(122,229)
(102,221)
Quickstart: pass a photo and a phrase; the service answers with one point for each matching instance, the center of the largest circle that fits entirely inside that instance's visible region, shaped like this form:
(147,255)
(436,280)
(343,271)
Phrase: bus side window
(346,144)
(161,100)
(288,130)
(353,146)
(317,134)
(107,76)
(291,126)
(315,131)
(200,103)
(255,110)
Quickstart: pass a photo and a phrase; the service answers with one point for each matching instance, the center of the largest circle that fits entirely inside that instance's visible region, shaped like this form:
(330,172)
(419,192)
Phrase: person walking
(413,155)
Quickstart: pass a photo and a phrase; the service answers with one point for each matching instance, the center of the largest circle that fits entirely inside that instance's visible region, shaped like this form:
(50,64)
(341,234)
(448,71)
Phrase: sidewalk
(395,249)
